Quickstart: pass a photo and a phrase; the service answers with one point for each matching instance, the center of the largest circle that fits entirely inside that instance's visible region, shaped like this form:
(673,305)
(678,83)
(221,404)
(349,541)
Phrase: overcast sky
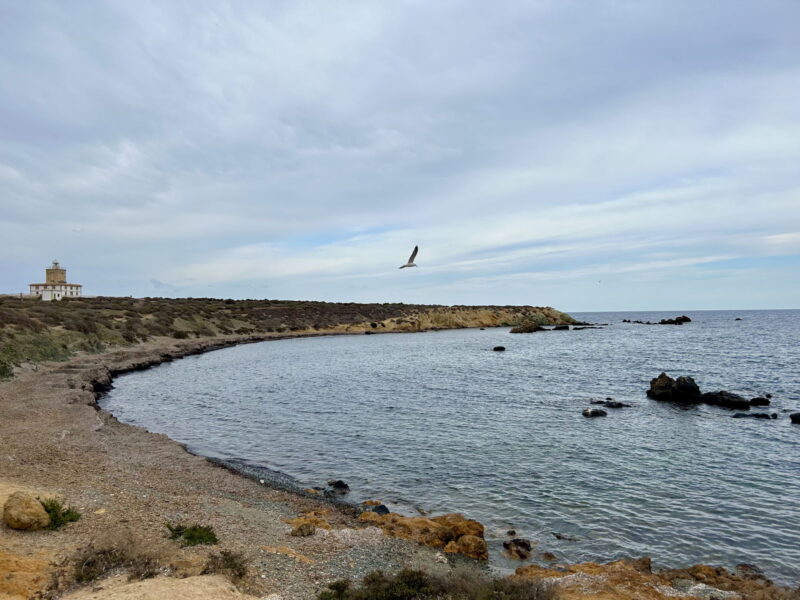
(586,155)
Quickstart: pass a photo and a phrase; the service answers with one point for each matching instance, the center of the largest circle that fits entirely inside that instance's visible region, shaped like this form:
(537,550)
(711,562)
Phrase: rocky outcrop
(24,512)
(452,532)
(685,390)
(676,321)
(682,389)
(760,401)
(795,417)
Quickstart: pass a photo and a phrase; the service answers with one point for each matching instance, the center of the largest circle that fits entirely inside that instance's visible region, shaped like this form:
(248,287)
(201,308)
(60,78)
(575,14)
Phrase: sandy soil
(128,482)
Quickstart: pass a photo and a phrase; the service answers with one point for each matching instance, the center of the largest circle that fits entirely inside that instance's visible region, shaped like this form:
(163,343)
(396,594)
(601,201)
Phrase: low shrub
(60,514)
(92,563)
(229,563)
(411,584)
(193,535)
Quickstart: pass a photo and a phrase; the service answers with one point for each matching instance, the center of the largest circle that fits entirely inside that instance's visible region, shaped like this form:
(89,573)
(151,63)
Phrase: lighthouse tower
(55,286)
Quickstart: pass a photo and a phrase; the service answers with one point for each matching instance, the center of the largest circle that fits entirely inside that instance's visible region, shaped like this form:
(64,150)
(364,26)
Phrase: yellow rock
(22,511)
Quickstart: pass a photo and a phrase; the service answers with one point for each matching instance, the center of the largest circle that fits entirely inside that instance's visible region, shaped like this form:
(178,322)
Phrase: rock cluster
(676,321)
(452,532)
(685,390)
(635,580)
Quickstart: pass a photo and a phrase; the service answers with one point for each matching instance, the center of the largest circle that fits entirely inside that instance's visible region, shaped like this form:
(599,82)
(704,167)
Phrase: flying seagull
(411,258)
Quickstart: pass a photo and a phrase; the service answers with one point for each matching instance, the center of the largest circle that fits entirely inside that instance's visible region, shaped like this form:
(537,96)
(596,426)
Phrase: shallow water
(439,421)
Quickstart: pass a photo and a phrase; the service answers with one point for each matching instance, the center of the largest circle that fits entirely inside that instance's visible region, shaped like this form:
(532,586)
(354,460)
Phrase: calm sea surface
(440,422)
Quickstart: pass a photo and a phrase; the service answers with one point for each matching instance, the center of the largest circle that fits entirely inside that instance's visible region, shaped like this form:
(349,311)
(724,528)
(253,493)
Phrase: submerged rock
(499,348)
(759,401)
(725,400)
(528,328)
(795,417)
(594,412)
(22,511)
(561,328)
(763,416)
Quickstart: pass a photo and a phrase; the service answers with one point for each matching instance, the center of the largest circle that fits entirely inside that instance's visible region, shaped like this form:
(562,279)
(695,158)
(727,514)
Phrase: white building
(55,286)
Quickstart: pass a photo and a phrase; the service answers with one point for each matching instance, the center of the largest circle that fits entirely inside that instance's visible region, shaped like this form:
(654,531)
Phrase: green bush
(192,535)
(60,514)
(92,563)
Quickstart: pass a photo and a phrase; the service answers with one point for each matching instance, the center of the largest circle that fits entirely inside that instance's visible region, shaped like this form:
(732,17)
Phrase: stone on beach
(24,512)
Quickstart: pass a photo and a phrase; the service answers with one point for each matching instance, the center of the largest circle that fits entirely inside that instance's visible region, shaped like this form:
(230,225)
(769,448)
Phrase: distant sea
(438,422)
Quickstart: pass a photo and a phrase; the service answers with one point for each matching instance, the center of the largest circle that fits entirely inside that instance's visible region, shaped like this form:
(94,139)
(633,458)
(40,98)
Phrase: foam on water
(439,421)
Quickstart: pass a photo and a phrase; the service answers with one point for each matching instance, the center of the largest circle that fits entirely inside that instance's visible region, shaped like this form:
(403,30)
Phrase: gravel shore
(128,482)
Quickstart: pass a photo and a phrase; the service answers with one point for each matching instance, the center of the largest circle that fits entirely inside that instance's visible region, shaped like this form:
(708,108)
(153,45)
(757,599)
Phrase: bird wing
(413,255)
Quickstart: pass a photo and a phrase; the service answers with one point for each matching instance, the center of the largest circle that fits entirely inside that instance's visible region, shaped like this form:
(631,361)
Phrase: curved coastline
(88,377)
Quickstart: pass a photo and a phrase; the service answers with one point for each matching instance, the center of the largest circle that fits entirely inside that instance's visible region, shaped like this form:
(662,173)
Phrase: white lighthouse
(55,286)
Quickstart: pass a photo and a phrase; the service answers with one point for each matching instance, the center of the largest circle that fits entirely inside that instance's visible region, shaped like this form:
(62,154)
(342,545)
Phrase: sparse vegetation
(464,584)
(95,562)
(60,514)
(192,535)
(228,563)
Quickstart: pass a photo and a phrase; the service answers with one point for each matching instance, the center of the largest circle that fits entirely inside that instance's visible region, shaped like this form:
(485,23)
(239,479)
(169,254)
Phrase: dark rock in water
(368,332)
(339,486)
(615,404)
(774,415)
(518,548)
(764,416)
(683,389)
(598,402)
(725,400)
(738,319)
(528,328)
(795,417)
(381,509)
(483,328)
(499,348)
(565,537)
(511,532)
(768,396)
(561,328)
(759,402)
(594,412)
(676,321)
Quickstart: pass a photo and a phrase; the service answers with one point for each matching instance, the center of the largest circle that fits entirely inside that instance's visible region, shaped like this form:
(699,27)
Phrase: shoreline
(82,381)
